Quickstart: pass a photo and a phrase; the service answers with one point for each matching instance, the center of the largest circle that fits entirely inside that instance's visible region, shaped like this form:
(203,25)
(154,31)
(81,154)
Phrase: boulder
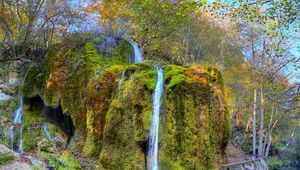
(17,164)
(4,97)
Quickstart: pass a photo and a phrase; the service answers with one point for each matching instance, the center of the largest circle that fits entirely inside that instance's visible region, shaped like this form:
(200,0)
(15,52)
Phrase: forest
(150,84)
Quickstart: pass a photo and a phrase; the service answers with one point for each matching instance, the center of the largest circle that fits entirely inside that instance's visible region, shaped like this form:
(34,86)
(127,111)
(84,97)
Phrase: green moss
(100,93)
(144,76)
(30,130)
(63,161)
(115,123)
(119,55)
(127,128)
(32,116)
(119,146)
(91,56)
(181,133)
(33,83)
(174,75)
(33,133)
(6,158)
(289,162)
(195,115)
(52,129)
(92,146)
(69,162)
(6,110)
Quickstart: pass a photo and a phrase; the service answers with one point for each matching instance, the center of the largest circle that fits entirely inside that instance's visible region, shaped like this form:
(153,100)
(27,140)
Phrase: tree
(145,21)
(23,23)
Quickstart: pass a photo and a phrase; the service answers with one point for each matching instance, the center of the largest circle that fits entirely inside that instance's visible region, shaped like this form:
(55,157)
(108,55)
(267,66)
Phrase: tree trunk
(268,145)
(254,98)
(187,45)
(261,123)
(254,124)
(270,140)
(269,136)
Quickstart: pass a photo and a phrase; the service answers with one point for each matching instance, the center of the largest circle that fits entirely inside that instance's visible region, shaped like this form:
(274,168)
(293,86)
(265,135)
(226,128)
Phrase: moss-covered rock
(195,126)
(100,94)
(6,110)
(6,158)
(60,161)
(115,121)
(128,121)
(33,133)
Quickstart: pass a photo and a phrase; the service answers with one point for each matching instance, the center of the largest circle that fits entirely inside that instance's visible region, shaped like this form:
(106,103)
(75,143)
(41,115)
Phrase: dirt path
(235,153)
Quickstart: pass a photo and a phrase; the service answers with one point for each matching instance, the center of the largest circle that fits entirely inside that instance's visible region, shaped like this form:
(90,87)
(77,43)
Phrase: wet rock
(13,81)
(4,97)
(3,86)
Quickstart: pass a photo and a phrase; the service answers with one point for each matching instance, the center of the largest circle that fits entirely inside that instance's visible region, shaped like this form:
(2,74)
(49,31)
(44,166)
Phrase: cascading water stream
(21,141)
(121,80)
(17,122)
(19,112)
(11,136)
(34,162)
(153,143)
(138,57)
(46,130)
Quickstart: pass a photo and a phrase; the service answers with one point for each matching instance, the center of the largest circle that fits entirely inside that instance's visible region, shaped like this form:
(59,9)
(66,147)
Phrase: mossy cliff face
(195,123)
(128,120)
(115,122)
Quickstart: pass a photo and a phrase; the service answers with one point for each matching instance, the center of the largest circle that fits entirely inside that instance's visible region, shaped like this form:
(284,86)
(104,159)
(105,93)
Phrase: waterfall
(21,141)
(19,112)
(17,122)
(34,162)
(11,136)
(121,80)
(153,143)
(46,130)
(138,58)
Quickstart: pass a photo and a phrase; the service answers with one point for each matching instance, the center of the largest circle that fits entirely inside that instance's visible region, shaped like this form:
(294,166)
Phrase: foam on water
(138,58)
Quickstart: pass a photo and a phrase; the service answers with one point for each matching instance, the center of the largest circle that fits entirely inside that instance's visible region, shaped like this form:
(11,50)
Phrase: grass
(279,163)
(63,161)
(6,158)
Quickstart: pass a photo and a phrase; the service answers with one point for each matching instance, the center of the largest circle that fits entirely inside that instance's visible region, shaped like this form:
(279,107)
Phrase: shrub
(6,158)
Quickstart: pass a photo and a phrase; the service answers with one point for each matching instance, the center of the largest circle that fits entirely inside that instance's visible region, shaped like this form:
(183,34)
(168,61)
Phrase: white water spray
(19,112)
(121,80)
(46,130)
(153,143)
(138,58)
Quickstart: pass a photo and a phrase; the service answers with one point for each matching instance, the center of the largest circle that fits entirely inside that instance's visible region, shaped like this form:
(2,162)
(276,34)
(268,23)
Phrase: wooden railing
(251,164)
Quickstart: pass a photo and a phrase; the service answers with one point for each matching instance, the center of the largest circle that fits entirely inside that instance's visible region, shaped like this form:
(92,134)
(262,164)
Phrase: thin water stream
(153,143)
(18,125)
(138,57)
